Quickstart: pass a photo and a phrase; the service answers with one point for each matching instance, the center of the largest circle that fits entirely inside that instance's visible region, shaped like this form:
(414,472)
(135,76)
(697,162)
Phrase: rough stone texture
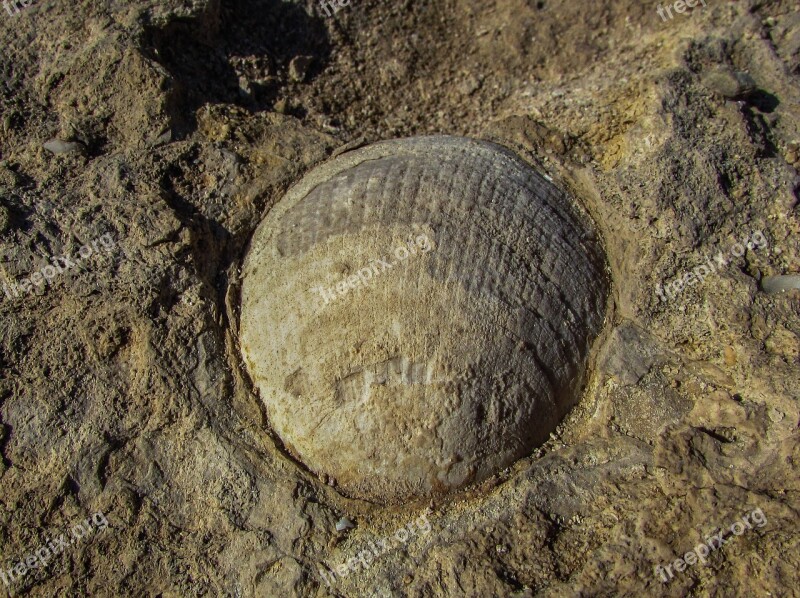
(119,383)
(461,342)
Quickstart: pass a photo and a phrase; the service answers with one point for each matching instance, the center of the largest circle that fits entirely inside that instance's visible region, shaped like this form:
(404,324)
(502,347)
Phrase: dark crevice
(5,436)
(509,579)
(718,437)
(764,101)
(211,247)
(112,445)
(759,131)
(68,487)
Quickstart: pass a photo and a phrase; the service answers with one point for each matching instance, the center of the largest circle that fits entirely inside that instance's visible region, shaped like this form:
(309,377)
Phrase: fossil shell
(459,353)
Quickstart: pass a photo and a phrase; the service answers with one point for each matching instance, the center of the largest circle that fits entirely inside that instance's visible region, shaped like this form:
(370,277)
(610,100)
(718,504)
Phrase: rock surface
(121,390)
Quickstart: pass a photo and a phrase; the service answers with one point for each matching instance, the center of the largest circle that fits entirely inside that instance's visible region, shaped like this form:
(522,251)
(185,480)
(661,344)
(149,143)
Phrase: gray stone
(628,354)
(730,84)
(57,146)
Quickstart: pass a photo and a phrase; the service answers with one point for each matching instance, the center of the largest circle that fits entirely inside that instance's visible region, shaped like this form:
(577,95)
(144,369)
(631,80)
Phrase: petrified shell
(417,314)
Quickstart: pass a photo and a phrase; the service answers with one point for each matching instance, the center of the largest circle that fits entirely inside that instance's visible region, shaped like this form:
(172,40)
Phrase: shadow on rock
(236,53)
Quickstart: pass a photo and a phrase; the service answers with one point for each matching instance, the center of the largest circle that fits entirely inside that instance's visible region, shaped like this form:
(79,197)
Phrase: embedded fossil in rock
(449,366)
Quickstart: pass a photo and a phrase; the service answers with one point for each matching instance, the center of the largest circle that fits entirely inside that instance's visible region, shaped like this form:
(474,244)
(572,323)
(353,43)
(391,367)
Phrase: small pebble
(343,524)
(730,84)
(57,146)
(298,68)
(282,106)
(164,137)
(245,89)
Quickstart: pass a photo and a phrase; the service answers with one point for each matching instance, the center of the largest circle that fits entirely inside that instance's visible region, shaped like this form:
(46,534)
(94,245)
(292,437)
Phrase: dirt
(173,128)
